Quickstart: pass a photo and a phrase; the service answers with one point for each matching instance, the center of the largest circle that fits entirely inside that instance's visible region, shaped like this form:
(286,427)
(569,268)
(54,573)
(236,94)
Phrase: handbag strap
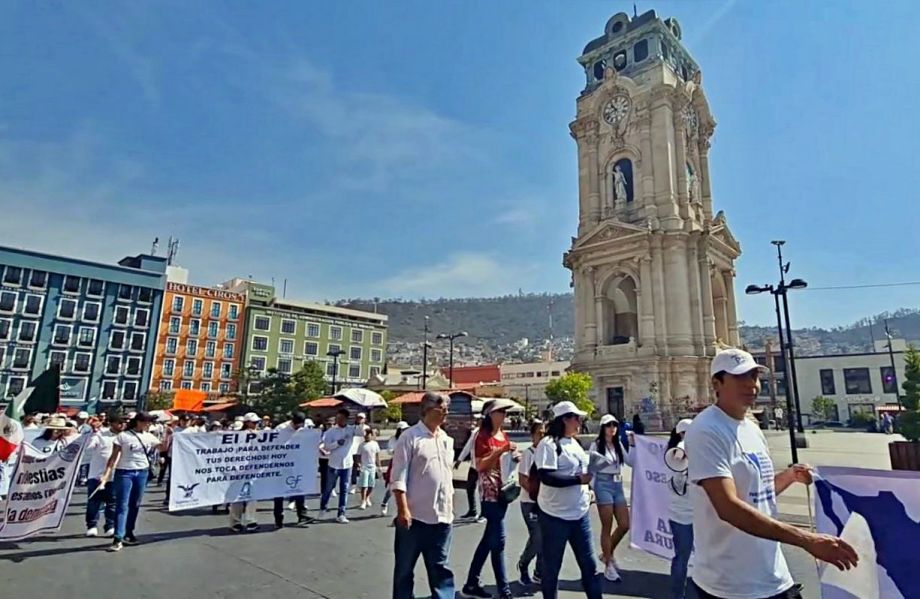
(144,447)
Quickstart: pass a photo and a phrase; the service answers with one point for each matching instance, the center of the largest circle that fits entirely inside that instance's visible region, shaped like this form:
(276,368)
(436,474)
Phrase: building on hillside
(200,339)
(96,321)
(404,379)
(482,375)
(526,383)
(652,264)
(283,334)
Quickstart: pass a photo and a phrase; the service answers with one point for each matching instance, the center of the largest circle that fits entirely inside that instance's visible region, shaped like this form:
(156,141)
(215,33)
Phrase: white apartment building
(526,383)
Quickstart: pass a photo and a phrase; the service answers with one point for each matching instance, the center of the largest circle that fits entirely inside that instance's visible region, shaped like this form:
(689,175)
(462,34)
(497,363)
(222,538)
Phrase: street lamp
(450,337)
(334,354)
(425,347)
(783,287)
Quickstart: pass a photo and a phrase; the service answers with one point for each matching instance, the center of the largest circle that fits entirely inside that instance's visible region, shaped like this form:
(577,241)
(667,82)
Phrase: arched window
(621,316)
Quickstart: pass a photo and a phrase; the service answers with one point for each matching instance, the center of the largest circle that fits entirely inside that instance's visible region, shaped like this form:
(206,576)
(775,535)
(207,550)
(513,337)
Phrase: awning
(322,402)
(219,407)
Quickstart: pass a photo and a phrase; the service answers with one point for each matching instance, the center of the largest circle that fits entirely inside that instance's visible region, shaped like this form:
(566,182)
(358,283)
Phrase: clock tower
(652,266)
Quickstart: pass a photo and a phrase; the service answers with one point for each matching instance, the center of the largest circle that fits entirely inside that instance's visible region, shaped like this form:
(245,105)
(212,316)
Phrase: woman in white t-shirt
(370,466)
(680,510)
(130,460)
(533,548)
(564,501)
(607,458)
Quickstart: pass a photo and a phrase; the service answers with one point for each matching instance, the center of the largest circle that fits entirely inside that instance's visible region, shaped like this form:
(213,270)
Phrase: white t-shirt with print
(728,562)
(567,503)
(524,470)
(369,451)
(135,449)
(340,456)
(98,451)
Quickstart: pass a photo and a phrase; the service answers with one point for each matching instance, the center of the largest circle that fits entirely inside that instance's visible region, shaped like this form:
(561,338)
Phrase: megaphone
(676,458)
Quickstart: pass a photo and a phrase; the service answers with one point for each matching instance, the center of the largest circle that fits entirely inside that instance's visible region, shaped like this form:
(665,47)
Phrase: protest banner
(650,498)
(234,466)
(878,513)
(41,486)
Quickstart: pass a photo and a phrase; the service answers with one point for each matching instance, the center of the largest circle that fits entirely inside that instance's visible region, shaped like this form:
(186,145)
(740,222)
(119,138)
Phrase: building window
(259,343)
(207,370)
(175,325)
(226,370)
(15,385)
(210,349)
(144,295)
(828,386)
(58,359)
(213,329)
(13,275)
(38,279)
(311,348)
(138,340)
(21,358)
(165,385)
(857,380)
(2,356)
(108,389)
(194,327)
(231,331)
(27,330)
(71,284)
(172,346)
(284,365)
(376,355)
(377,338)
(197,306)
(81,362)
(640,51)
(141,318)
(286,346)
(330,368)
(357,336)
(889,384)
(288,327)
(33,305)
(224,388)
(262,323)
(6,326)
(95,288)
(67,309)
(215,309)
(233,311)
(187,385)
(334,349)
(134,366)
(312,330)
(91,311)
(228,351)
(355,353)
(169,367)
(7,302)
(129,391)
(258,363)
(191,348)
(121,315)
(113,365)
(117,340)
(125,293)
(188,368)
(87,337)
(206,387)
(335,333)
(354,371)
(375,370)
(178,303)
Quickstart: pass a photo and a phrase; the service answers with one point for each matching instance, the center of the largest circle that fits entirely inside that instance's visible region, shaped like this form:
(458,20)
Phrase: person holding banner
(295,423)
(130,461)
(243,513)
(99,449)
(57,434)
(734,487)
(680,510)
(565,500)
(607,457)
(338,442)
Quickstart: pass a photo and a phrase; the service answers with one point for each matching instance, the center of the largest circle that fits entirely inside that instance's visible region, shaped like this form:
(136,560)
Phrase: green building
(283,334)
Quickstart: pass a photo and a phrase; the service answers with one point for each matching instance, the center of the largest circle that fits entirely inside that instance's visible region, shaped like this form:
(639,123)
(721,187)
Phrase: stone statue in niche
(619,186)
(693,186)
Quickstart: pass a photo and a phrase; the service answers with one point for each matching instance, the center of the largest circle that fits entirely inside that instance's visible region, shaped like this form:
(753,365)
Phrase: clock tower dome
(652,267)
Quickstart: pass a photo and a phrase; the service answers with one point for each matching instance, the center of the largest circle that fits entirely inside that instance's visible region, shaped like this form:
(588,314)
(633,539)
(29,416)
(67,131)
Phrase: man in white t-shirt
(734,487)
(338,444)
(98,451)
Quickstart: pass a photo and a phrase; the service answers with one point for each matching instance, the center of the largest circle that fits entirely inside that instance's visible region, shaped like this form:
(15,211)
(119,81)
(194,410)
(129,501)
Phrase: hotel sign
(210,292)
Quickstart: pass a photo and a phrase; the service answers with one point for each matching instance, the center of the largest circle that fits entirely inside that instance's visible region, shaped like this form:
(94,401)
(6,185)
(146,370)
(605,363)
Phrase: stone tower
(652,267)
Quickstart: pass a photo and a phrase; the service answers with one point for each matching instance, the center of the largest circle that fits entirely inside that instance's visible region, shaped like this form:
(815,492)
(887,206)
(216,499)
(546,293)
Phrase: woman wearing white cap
(680,511)
(564,500)
(607,458)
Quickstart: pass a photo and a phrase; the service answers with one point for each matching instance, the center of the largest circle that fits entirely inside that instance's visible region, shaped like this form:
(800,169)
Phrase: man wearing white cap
(733,489)
(243,513)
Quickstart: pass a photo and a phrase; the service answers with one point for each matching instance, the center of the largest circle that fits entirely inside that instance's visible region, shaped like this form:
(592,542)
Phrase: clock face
(616,109)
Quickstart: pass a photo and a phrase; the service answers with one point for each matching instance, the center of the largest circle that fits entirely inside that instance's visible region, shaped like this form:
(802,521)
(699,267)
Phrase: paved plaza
(189,554)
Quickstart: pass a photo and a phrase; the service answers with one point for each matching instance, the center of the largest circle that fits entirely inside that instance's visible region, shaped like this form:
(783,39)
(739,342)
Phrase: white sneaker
(335,493)
(611,573)
(384,509)
(109,532)
(92,532)
(342,520)
(363,505)
(352,491)
(292,506)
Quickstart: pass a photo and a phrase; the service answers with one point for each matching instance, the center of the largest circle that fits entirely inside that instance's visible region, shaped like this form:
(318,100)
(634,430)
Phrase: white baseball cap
(308,423)
(734,361)
(566,407)
(608,418)
(683,425)
(402,424)
(251,417)
(83,415)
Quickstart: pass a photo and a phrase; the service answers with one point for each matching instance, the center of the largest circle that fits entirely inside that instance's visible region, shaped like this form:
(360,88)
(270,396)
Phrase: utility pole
(783,269)
(425,358)
(768,349)
(894,371)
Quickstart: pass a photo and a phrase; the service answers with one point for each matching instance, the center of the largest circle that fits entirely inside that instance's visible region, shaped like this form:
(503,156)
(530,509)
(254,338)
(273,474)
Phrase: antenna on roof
(155,246)
(172,248)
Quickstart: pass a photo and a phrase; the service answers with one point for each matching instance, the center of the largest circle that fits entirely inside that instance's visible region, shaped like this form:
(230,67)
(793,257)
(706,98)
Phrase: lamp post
(894,372)
(425,347)
(334,354)
(783,287)
(450,337)
(754,290)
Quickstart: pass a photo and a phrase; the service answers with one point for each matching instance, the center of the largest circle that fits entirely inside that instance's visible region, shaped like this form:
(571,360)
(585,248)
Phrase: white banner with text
(650,498)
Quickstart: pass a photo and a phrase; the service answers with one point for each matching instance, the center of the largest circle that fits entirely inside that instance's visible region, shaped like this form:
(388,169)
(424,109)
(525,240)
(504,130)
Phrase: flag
(46,393)
(11,424)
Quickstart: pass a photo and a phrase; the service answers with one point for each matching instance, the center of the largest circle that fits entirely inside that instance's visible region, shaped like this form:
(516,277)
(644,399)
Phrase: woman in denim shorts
(607,457)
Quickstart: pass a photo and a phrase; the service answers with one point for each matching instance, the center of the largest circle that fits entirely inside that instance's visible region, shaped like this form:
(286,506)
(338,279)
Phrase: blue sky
(421,148)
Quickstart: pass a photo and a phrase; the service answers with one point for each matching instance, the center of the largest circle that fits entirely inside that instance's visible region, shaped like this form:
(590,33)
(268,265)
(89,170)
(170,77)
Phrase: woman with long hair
(564,500)
(490,445)
(57,434)
(607,458)
(680,510)
(530,511)
(385,505)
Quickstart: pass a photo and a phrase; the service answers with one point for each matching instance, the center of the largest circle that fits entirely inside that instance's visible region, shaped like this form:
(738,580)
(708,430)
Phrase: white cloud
(469,274)
(516,217)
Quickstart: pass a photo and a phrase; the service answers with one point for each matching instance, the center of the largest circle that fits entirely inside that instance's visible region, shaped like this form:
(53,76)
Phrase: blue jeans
(129,492)
(343,476)
(492,544)
(105,497)
(534,547)
(577,533)
(432,542)
(683,545)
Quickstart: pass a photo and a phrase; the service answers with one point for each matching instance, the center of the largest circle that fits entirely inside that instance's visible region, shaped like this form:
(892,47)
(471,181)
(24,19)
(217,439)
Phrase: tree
(310,382)
(574,387)
(393,411)
(821,407)
(909,420)
(160,400)
(277,398)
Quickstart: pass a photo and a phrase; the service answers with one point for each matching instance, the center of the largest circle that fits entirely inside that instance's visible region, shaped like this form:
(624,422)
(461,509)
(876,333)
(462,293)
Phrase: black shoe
(279,525)
(305,520)
(525,579)
(252,527)
(506,594)
(537,577)
(474,591)
(237,528)
(131,540)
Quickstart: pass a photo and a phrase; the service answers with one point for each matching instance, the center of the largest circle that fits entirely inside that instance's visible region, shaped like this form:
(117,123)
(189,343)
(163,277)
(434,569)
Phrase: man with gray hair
(421,478)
